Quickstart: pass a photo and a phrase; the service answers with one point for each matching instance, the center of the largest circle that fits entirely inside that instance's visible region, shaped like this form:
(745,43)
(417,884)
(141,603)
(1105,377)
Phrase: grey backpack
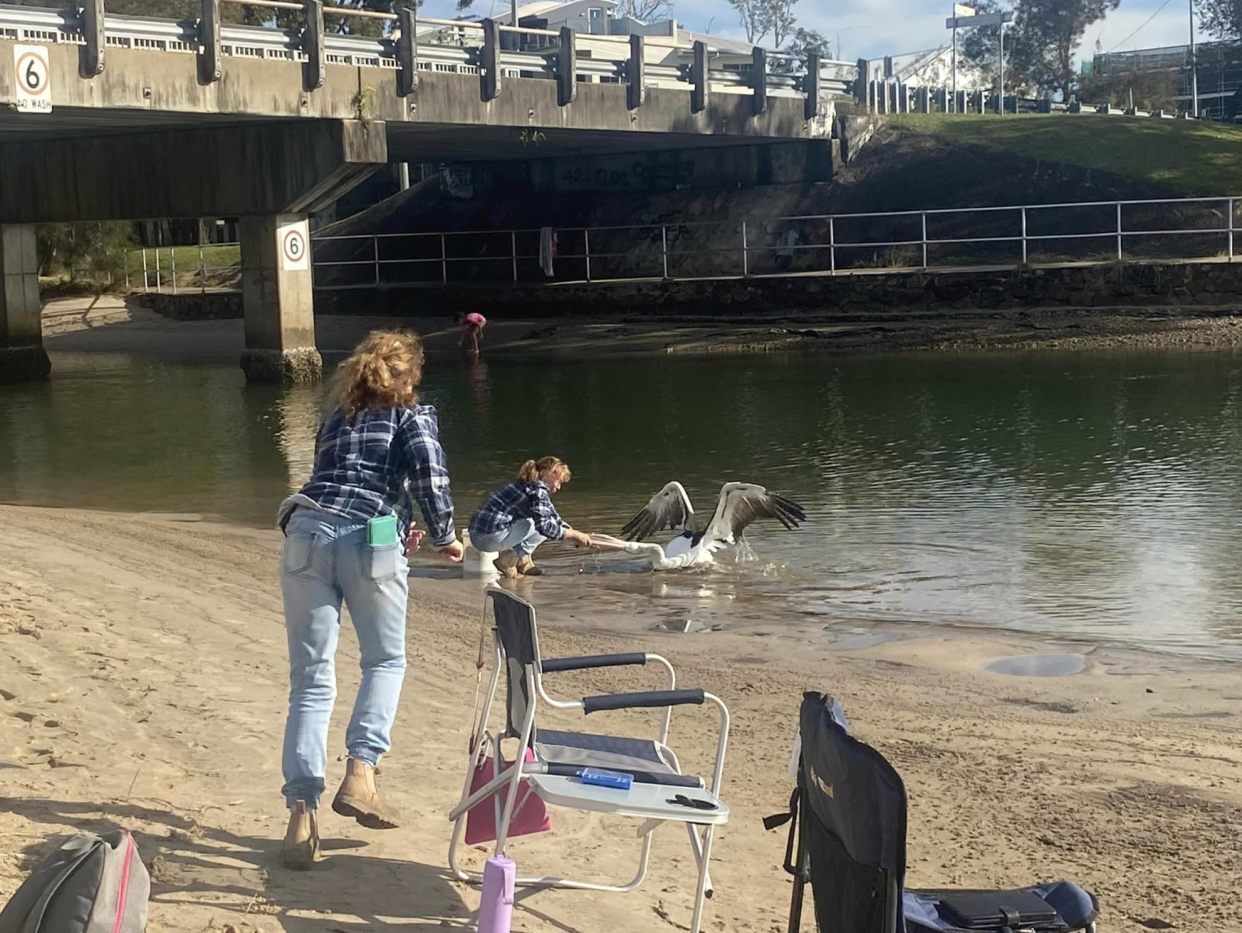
(88,885)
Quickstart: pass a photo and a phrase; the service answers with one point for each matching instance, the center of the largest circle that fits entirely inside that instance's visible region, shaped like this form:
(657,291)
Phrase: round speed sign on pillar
(294,236)
(33,79)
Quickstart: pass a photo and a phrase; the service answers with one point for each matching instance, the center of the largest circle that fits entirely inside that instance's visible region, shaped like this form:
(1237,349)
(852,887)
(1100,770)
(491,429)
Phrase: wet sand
(142,676)
(109,324)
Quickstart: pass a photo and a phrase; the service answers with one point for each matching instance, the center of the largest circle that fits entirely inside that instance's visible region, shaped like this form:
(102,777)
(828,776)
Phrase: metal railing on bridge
(892,97)
(412,46)
(958,239)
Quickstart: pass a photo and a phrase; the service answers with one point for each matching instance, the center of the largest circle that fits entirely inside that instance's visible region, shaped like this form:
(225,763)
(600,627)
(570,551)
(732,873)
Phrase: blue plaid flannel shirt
(374,463)
(517,501)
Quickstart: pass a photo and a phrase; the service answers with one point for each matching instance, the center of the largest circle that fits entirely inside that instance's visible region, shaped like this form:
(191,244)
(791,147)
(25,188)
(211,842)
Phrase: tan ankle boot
(360,798)
(507,564)
(526,567)
(301,849)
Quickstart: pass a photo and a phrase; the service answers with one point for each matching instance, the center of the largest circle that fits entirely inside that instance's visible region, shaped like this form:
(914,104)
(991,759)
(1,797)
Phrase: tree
(763,18)
(781,20)
(1041,42)
(97,249)
(809,42)
(1151,90)
(1222,18)
(644,10)
(1052,31)
(804,42)
(754,18)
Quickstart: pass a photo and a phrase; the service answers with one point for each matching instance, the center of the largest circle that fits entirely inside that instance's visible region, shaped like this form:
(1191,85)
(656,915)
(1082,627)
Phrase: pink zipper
(120,906)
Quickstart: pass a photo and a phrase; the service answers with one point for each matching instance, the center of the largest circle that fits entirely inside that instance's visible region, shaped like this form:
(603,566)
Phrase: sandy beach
(143,685)
(142,676)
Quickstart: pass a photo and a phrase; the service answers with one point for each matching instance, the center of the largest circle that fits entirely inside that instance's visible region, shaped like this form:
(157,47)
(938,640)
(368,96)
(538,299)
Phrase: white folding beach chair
(660,793)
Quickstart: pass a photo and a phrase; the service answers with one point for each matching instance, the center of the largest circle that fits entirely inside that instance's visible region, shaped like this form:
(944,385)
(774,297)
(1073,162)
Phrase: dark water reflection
(1095,495)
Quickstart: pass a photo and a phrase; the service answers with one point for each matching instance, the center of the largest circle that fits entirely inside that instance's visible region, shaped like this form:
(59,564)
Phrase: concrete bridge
(119,118)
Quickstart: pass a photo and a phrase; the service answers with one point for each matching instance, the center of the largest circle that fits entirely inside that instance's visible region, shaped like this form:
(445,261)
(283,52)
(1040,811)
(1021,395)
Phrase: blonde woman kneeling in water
(518,518)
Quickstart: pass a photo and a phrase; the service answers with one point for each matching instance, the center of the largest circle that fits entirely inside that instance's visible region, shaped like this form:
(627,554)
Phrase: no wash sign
(33,85)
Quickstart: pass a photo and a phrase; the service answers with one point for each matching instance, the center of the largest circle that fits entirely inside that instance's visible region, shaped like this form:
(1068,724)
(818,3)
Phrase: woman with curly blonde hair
(347,533)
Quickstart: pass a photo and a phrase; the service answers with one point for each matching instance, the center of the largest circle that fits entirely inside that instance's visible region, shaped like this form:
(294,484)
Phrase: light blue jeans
(521,536)
(327,560)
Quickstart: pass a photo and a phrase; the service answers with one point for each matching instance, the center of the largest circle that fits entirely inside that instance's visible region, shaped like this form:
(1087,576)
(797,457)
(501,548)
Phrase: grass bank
(1198,158)
(191,266)
(184,258)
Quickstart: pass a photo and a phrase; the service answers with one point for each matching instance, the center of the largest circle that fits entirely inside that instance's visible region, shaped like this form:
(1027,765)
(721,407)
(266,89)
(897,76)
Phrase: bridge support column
(278,300)
(22,357)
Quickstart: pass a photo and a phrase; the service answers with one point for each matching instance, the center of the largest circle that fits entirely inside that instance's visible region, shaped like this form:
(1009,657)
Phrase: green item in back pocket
(382,531)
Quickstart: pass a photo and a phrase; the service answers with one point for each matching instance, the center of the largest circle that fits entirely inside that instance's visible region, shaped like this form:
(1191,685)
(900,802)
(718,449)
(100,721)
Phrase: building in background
(588,17)
(1219,70)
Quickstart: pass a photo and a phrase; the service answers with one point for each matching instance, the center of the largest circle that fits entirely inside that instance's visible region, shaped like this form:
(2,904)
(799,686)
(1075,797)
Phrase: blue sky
(873,28)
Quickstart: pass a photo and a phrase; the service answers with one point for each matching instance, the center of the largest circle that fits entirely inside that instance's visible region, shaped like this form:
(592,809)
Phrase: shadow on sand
(239,876)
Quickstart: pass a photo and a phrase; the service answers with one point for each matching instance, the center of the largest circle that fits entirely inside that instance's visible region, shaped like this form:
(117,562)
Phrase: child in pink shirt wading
(473,323)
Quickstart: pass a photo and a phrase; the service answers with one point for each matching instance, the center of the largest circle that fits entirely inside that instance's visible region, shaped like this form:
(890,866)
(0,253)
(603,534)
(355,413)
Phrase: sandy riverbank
(142,673)
(109,324)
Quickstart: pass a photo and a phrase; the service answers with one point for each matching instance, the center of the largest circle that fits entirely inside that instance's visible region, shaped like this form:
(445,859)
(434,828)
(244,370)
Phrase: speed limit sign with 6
(32,79)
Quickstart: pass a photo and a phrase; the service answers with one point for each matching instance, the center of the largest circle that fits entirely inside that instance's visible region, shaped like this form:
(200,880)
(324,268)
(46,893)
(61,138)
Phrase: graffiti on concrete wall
(459,181)
(656,172)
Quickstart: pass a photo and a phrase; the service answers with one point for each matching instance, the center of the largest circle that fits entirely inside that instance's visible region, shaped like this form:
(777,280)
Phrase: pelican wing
(742,503)
(668,508)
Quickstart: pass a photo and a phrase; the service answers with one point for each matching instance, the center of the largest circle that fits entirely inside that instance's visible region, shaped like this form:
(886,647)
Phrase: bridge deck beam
(22,357)
(277,167)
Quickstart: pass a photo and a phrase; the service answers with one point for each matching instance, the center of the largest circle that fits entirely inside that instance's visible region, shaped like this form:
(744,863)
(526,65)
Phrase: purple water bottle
(496,909)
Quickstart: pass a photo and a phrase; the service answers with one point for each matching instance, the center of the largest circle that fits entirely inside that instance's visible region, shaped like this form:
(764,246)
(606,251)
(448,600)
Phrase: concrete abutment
(22,357)
(278,300)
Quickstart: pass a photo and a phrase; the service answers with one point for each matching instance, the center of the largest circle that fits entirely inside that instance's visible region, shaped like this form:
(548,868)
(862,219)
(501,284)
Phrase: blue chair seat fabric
(1075,907)
(640,757)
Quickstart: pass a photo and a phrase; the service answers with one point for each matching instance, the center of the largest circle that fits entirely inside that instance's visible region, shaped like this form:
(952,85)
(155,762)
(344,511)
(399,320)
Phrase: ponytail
(532,470)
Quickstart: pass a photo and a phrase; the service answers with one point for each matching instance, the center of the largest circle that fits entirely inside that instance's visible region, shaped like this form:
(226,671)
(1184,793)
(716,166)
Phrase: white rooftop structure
(928,68)
(586,16)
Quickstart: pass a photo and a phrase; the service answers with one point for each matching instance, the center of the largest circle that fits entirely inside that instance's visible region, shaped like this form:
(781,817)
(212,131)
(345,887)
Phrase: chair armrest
(554,665)
(657,699)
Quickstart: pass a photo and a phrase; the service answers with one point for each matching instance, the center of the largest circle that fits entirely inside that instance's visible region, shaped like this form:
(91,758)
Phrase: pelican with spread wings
(739,505)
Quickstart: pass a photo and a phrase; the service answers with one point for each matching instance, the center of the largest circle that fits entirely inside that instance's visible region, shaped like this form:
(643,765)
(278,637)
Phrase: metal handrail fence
(157,268)
(942,239)
(832,244)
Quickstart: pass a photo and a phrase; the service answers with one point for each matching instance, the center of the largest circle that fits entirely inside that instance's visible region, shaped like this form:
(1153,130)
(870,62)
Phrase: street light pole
(953,106)
(1194,66)
(973,19)
(1002,69)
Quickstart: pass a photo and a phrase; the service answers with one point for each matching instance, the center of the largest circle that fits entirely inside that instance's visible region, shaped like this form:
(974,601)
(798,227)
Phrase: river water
(1092,496)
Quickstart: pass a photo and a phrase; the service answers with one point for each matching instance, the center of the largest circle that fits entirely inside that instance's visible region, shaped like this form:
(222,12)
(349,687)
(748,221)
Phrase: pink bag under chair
(529,813)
